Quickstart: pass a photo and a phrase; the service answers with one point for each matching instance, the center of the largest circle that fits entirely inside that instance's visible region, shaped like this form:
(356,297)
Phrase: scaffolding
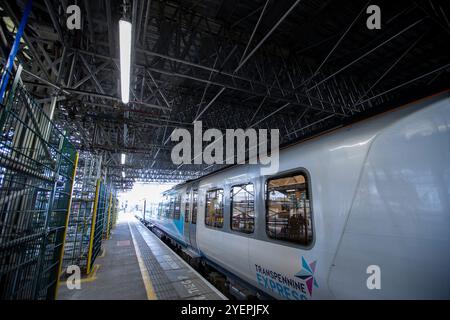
(78,238)
(98,221)
(37,167)
(92,215)
(115,210)
(110,197)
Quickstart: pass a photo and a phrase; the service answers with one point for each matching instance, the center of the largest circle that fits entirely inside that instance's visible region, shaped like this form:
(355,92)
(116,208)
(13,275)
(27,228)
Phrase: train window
(177,207)
(171,207)
(187,204)
(194,207)
(214,208)
(166,205)
(288,210)
(243,208)
(160,209)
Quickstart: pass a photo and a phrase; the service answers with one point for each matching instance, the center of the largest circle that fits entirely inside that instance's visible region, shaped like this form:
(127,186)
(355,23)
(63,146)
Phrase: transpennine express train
(362,212)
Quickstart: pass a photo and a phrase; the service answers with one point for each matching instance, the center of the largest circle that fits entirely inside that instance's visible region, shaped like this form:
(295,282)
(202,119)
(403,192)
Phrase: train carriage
(370,197)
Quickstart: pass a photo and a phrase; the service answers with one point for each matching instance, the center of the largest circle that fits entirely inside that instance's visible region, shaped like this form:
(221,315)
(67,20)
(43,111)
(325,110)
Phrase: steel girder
(299,66)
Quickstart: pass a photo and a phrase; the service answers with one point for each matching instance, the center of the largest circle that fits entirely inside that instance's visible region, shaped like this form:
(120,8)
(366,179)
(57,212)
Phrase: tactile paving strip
(161,283)
(171,279)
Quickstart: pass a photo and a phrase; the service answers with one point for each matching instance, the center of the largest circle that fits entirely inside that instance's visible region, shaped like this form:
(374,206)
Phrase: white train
(362,212)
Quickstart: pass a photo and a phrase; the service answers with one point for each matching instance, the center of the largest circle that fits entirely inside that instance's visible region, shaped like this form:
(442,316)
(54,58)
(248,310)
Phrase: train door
(193,222)
(187,198)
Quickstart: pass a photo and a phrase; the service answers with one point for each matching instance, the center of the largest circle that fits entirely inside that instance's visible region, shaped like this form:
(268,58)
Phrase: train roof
(371,114)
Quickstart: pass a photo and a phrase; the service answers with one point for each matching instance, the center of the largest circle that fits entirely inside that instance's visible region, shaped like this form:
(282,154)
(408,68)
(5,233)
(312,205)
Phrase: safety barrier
(98,221)
(78,237)
(37,167)
(115,211)
(109,220)
(92,215)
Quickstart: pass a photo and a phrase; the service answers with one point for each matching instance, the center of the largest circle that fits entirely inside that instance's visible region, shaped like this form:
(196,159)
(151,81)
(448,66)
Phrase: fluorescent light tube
(123,174)
(125,59)
(122,158)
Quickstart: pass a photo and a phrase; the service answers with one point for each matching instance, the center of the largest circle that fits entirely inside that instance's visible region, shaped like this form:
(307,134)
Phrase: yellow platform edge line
(145,276)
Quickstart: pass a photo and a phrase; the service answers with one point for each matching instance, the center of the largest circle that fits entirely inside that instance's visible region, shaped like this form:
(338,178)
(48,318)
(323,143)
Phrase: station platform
(137,265)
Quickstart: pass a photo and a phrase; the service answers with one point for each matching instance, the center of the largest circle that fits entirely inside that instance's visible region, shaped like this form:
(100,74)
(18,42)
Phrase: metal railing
(91,217)
(37,165)
(78,237)
(98,222)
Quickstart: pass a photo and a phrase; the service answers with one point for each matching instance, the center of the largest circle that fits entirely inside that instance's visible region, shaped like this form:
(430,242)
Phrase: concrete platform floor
(117,275)
(137,265)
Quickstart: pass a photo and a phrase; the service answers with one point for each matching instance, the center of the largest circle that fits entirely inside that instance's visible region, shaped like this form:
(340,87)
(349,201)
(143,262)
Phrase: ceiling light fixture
(125,58)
